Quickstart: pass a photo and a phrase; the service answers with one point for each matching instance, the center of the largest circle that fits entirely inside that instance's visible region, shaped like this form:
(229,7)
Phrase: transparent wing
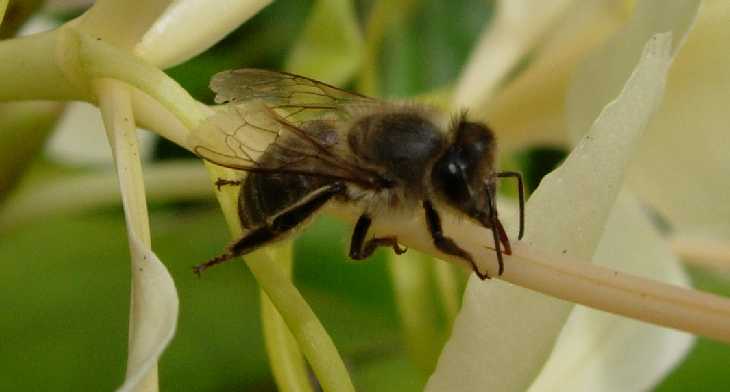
(251,136)
(296,98)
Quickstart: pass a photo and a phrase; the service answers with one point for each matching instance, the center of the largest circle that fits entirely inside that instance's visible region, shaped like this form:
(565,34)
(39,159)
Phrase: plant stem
(448,285)
(3,7)
(116,109)
(287,363)
(417,310)
(384,14)
(165,181)
(580,282)
(706,252)
(24,129)
(36,67)
(103,60)
(315,343)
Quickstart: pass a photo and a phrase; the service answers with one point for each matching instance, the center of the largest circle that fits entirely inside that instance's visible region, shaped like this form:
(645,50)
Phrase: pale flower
(564,90)
(584,86)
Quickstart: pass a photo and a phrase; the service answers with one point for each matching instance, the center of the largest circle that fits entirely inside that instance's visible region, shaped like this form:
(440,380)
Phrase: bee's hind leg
(220,182)
(360,251)
(277,229)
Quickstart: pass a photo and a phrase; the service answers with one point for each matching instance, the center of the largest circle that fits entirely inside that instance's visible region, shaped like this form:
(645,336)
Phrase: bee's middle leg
(360,250)
(277,229)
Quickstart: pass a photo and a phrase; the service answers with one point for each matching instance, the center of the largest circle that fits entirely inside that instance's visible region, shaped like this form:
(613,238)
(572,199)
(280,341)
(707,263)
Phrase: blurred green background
(65,286)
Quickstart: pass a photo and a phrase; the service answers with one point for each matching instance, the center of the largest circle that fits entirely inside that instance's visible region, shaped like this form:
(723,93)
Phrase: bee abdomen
(264,195)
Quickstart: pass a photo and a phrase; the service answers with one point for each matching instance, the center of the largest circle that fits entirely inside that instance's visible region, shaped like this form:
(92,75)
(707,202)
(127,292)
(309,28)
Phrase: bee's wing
(296,98)
(254,138)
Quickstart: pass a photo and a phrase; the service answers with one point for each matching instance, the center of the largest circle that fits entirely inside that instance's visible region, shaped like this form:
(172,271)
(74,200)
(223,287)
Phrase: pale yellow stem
(287,363)
(643,299)
(315,343)
(448,284)
(116,109)
(703,252)
(383,15)
(3,7)
(416,308)
(166,181)
(572,280)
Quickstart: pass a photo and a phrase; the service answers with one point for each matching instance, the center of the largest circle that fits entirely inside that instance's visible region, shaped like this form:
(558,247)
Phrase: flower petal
(154,317)
(511,331)
(683,165)
(517,27)
(189,27)
(602,74)
(599,351)
(115,22)
(154,301)
(530,110)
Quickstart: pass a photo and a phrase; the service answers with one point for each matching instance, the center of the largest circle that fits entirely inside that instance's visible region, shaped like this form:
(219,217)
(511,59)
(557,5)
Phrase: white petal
(517,27)
(683,168)
(599,351)
(156,302)
(530,110)
(602,75)
(189,27)
(504,334)
(119,22)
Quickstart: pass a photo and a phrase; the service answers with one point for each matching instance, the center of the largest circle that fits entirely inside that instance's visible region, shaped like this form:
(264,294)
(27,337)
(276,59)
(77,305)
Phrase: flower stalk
(314,342)
(154,297)
(411,275)
(3,7)
(287,363)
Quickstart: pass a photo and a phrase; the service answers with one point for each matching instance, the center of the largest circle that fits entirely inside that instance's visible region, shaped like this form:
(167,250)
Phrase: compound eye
(449,180)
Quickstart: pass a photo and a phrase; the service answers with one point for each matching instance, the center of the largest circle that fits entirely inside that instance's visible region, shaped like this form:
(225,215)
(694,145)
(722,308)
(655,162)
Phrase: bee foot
(398,250)
(220,182)
(198,269)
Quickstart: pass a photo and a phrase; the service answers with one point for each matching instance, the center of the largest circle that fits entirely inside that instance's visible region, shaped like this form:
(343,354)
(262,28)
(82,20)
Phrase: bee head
(463,176)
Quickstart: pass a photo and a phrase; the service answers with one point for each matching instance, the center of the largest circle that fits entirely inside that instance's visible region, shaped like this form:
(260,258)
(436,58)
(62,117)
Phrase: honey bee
(304,143)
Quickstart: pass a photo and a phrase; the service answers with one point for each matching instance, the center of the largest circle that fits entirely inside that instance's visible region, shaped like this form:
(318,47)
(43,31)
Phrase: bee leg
(446,244)
(358,251)
(280,225)
(220,182)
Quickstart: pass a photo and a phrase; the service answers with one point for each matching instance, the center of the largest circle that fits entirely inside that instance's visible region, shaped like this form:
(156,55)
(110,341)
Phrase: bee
(304,144)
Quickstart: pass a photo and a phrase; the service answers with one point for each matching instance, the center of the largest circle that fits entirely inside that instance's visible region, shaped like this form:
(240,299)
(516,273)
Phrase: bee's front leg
(446,244)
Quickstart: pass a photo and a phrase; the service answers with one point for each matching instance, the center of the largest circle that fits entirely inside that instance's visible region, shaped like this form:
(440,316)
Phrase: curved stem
(416,308)
(287,364)
(116,110)
(3,7)
(315,343)
(103,60)
(36,67)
